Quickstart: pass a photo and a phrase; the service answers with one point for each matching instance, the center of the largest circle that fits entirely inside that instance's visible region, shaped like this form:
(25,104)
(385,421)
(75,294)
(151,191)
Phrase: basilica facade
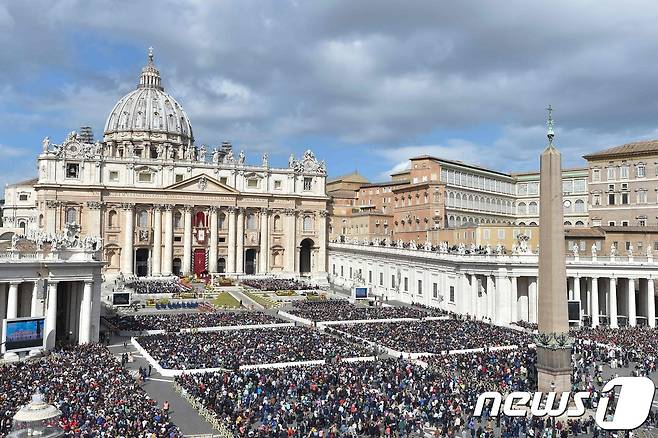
(164,206)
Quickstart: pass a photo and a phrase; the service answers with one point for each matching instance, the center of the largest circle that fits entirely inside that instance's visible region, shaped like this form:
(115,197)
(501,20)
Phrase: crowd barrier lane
(282,364)
(208,329)
(148,357)
(292,317)
(366,321)
(359,359)
(436,318)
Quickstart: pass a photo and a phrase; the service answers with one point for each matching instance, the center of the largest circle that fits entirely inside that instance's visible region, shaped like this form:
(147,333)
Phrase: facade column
(156,263)
(127,252)
(651,303)
(291,240)
(321,265)
(84,331)
(532,299)
(576,296)
(3,304)
(612,297)
(231,240)
(263,264)
(51,315)
(12,300)
(239,236)
(595,302)
(212,253)
(515,297)
(632,313)
(34,302)
(570,287)
(187,240)
(168,257)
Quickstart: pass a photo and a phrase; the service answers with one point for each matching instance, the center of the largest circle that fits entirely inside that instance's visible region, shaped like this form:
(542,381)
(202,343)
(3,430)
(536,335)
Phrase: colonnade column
(264,236)
(651,303)
(612,298)
(51,315)
(3,304)
(491,301)
(239,235)
(503,299)
(474,295)
(576,289)
(212,253)
(34,302)
(84,333)
(595,301)
(231,240)
(291,239)
(632,313)
(127,252)
(515,297)
(187,240)
(168,241)
(12,300)
(570,287)
(532,299)
(156,264)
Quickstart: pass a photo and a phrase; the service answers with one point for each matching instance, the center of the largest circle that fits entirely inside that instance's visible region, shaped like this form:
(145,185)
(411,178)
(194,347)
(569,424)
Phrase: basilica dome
(148,113)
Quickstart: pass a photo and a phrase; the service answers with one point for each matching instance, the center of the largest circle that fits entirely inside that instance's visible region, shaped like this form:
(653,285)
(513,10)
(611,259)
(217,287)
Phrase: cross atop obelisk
(553,343)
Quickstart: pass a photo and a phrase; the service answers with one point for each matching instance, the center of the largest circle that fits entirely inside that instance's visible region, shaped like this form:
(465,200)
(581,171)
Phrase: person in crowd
(343,310)
(177,321)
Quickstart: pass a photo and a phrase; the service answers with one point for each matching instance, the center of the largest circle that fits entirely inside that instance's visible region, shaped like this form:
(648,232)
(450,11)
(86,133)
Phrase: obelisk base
(554,369)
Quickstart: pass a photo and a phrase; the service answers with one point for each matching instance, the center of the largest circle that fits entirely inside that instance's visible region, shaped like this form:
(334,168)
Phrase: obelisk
(553,342)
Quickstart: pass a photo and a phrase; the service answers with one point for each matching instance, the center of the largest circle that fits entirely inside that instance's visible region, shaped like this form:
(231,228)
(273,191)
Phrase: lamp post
(38,419)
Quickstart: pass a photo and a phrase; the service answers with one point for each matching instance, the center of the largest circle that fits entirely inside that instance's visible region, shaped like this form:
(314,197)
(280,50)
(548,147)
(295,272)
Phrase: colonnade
(28,299)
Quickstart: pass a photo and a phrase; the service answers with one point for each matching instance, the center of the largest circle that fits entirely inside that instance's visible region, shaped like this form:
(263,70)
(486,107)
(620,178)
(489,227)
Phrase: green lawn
(225,299)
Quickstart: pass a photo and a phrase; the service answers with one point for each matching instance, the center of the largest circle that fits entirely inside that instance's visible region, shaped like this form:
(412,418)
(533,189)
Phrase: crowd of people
(638,340)
(531,326)
(343,310)
(172,286)
(277,284)
(436,336)
(96,395)
(176,321)
(234,348)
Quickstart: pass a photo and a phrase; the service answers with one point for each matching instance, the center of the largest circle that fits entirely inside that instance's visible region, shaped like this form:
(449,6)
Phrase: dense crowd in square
(343,310)
(233,348)
(436,336)
(176,321)
(96,395)
(277,284)
(172,286)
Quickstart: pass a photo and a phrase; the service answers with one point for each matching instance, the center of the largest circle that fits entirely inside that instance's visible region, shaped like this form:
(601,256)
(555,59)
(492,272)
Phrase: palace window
(532,208)
(114,176)
(624,198)
(435,290)
(277,184)
(611,173)
(308,223)
(420,287)
(179,177)
(178,220)
(23,197)
(640,171)
(642,197)
(623,172)
(112,219)
(452,294)
(223,180)
(142,219)
(596,174)
(579,206)
(222,221)
(251,221)
(252,183)
(308,183)
(277,223)
(596,199)
(72,170)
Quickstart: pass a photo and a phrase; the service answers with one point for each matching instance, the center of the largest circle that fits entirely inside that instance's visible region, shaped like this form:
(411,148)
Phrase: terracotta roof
(350,177)
(637,148)
(459,163)
(630,229)
(584,232)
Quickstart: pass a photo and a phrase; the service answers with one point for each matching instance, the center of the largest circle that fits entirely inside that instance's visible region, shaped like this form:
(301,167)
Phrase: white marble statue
(594,249)
(427,246)
(412,245)
(487,249)
(215,155)
(266,162)
(241,158)
(499,249)
(202,153)
(630,250)
(45,143)
(291,161)
(574,250)
(613,250)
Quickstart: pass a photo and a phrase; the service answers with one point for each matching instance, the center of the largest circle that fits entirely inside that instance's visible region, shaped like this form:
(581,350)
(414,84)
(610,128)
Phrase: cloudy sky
(366,84)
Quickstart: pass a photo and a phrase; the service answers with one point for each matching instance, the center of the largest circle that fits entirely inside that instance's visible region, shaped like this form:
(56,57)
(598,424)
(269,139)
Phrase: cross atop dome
(150,77)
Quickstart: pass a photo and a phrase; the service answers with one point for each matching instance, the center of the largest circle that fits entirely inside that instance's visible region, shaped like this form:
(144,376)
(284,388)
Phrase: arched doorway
(142,262)
(250,261)
(305,256)
(221,265)
(176,266)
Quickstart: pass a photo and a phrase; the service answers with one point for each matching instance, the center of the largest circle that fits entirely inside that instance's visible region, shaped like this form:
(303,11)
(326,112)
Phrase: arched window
(71,216)
(23,226)
(579,206)
(251,221)
(277,223)
(112,219)
(580,224)
(532,224)
(222,221)
(143,219)
(567,223)
(178,220)
(521,208)
(308,223)
(532,207)
(40,220)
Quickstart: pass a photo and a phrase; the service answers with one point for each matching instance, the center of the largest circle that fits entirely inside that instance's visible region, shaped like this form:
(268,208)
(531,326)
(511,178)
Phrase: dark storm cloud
(364,72)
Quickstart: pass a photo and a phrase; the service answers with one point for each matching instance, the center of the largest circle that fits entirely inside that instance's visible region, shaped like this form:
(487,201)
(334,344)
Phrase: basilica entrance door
(199,261)
(142,262)
(250,261)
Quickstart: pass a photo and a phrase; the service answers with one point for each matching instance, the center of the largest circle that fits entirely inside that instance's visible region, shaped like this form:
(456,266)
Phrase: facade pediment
(202,184)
